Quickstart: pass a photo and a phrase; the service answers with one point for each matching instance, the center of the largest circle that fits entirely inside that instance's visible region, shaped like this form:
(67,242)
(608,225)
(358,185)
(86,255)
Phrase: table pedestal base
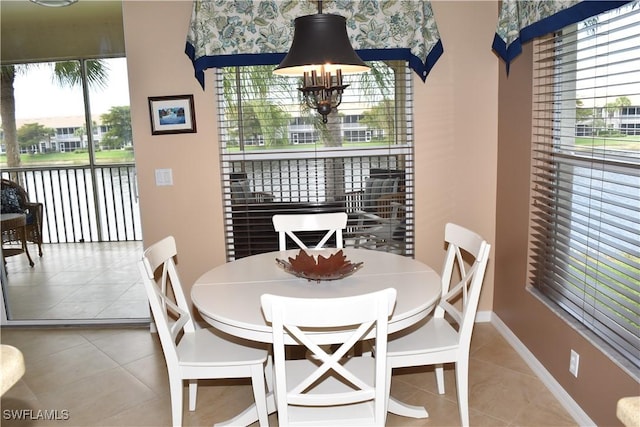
(399,408)
(250,415)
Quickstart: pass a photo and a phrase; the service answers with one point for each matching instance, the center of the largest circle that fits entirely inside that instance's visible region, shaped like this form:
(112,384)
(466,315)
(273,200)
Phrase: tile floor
(117,377)
(78,281)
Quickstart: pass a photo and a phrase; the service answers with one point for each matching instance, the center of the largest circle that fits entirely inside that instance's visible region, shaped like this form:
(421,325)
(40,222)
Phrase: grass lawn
(72,158)
(126,156)
(629,142)
(288,147)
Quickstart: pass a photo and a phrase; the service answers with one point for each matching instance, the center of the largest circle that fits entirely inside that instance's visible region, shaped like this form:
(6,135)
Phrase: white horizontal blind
(292,162)
(585,253)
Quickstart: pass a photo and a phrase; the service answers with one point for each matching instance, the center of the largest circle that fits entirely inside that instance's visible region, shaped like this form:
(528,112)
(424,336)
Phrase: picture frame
(172,114)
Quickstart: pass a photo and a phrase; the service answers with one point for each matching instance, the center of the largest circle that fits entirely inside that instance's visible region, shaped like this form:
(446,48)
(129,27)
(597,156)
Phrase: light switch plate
(164,177)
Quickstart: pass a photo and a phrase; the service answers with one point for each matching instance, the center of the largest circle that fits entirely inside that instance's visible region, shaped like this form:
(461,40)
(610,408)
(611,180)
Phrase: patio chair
(330,388)
(241,193)
(13,231)
(377,217)
(193,353)
(385,229)
(15,200)
(446,337)
(381,183)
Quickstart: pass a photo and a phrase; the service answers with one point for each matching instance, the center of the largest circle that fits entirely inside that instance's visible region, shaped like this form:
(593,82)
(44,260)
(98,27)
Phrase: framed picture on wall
(172,114)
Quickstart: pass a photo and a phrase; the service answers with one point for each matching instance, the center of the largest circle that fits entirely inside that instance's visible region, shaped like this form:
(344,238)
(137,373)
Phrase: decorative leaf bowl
(335,266)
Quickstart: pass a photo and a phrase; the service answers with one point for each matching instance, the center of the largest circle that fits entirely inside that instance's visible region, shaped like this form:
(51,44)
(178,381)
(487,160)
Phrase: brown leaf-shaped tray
(334,267)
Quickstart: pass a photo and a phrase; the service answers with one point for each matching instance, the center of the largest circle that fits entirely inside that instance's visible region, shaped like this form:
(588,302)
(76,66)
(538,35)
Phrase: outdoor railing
(100,203)
(84,203)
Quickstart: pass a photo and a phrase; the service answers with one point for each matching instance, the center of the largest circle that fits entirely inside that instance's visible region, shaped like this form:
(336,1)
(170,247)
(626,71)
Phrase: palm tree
(250,100)
(8,115)
(65,74)
(381,82)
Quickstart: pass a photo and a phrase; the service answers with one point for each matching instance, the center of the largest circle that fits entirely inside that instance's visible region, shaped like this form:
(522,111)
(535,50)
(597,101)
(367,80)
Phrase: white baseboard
(580,417)
(484,316)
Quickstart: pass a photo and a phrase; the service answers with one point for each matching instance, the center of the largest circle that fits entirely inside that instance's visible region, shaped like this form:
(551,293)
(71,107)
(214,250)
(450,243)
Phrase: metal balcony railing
(84,203)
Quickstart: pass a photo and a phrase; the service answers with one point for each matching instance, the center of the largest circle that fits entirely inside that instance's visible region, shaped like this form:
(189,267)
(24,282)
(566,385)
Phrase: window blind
(278,157)
(585,231)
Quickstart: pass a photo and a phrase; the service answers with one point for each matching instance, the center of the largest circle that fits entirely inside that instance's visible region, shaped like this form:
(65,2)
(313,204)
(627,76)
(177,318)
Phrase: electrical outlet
(574,363)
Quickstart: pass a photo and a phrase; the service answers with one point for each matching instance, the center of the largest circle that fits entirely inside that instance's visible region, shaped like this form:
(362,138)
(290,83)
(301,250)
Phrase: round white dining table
(228,297)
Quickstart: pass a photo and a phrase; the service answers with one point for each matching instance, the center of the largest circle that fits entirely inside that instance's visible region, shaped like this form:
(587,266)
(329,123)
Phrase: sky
(37,95)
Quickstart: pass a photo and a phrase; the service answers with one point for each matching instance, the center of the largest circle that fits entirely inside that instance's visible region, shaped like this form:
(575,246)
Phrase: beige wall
(600,382)
(455,116)
(155,34)
(455,125)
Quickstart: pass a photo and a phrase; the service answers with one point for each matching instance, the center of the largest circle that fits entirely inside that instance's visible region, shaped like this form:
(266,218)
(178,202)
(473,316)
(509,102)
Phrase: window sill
(595,340)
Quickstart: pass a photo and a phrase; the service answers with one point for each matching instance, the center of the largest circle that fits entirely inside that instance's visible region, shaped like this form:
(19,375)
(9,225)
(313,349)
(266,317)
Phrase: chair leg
(439,371)
(175,387)
(25,247)
(462,384)
(193,394)
(26,251)
(268,373)
(259,394)
(387,392)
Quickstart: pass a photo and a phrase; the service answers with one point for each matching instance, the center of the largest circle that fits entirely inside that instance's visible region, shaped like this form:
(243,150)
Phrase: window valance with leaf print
(522,20)
(259,32)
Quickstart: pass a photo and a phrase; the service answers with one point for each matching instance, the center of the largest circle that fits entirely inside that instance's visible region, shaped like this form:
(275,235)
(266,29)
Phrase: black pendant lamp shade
(321,53)
(318,40)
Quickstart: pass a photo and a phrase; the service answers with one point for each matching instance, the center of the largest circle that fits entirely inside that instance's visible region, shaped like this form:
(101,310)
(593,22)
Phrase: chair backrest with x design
(289,224)
(166,297)
(193,353)
(329,377)
(460,299)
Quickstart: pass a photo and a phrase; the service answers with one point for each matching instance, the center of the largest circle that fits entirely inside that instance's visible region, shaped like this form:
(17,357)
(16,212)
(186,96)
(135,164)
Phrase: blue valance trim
(576,13)
(422,69)
(234,60)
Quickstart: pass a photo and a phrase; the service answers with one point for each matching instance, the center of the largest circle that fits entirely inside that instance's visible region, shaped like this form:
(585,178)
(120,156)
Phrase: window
(56,145)
(303,165)
(630,111)
(585,252)
(51,107)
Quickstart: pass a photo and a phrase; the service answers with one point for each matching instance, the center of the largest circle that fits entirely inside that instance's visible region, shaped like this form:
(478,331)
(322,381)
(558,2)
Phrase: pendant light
(321,54)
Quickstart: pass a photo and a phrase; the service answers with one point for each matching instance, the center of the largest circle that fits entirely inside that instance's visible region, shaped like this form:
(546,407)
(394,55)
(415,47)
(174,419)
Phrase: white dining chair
(194,353)
(330,388)
(438,341)
(290,224)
